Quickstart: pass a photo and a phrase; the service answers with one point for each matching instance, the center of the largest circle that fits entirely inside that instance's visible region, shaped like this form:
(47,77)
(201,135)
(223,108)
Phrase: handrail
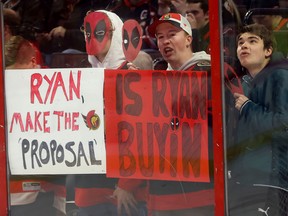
(264,11)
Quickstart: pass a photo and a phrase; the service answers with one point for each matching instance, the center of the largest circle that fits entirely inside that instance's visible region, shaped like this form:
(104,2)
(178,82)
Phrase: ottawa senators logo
(92,120)
(167,17)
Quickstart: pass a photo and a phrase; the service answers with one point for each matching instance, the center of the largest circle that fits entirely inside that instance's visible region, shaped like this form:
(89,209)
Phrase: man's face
(201,17)
(251,52)
(172,43)
(97,32)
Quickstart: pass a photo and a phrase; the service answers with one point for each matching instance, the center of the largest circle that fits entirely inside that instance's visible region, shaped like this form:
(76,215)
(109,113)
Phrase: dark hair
(203,4)
(261,4)
(261,31)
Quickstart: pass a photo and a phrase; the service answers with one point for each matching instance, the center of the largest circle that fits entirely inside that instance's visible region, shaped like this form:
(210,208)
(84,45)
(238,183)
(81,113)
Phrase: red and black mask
(97,28)
(132,39)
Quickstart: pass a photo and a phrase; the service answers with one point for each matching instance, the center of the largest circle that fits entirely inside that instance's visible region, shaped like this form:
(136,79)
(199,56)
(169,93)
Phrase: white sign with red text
(55,121)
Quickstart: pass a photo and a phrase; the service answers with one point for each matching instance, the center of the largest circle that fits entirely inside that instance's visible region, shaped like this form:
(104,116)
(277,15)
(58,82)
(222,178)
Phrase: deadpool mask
(132,39)
(97,26)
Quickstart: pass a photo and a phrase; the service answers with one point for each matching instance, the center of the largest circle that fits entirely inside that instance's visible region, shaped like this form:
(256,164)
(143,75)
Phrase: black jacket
(261,157)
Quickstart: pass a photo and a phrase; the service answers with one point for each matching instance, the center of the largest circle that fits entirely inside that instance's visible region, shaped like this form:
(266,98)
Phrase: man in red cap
(174,37)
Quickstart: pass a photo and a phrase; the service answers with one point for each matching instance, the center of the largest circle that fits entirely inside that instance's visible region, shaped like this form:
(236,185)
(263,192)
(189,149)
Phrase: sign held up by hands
(156,125)
(55,121)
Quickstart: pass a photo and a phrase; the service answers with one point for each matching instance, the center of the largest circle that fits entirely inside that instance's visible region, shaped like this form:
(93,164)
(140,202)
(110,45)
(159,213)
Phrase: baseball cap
(175,19)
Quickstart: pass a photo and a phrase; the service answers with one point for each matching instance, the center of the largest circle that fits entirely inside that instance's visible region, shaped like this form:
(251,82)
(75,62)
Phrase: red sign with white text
(156,125)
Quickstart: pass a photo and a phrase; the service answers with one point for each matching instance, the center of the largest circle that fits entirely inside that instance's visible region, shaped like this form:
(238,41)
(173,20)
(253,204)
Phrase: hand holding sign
(132,39)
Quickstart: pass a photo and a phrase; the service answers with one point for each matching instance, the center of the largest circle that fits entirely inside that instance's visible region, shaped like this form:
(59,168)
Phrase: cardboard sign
(55,121)
(156,125)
